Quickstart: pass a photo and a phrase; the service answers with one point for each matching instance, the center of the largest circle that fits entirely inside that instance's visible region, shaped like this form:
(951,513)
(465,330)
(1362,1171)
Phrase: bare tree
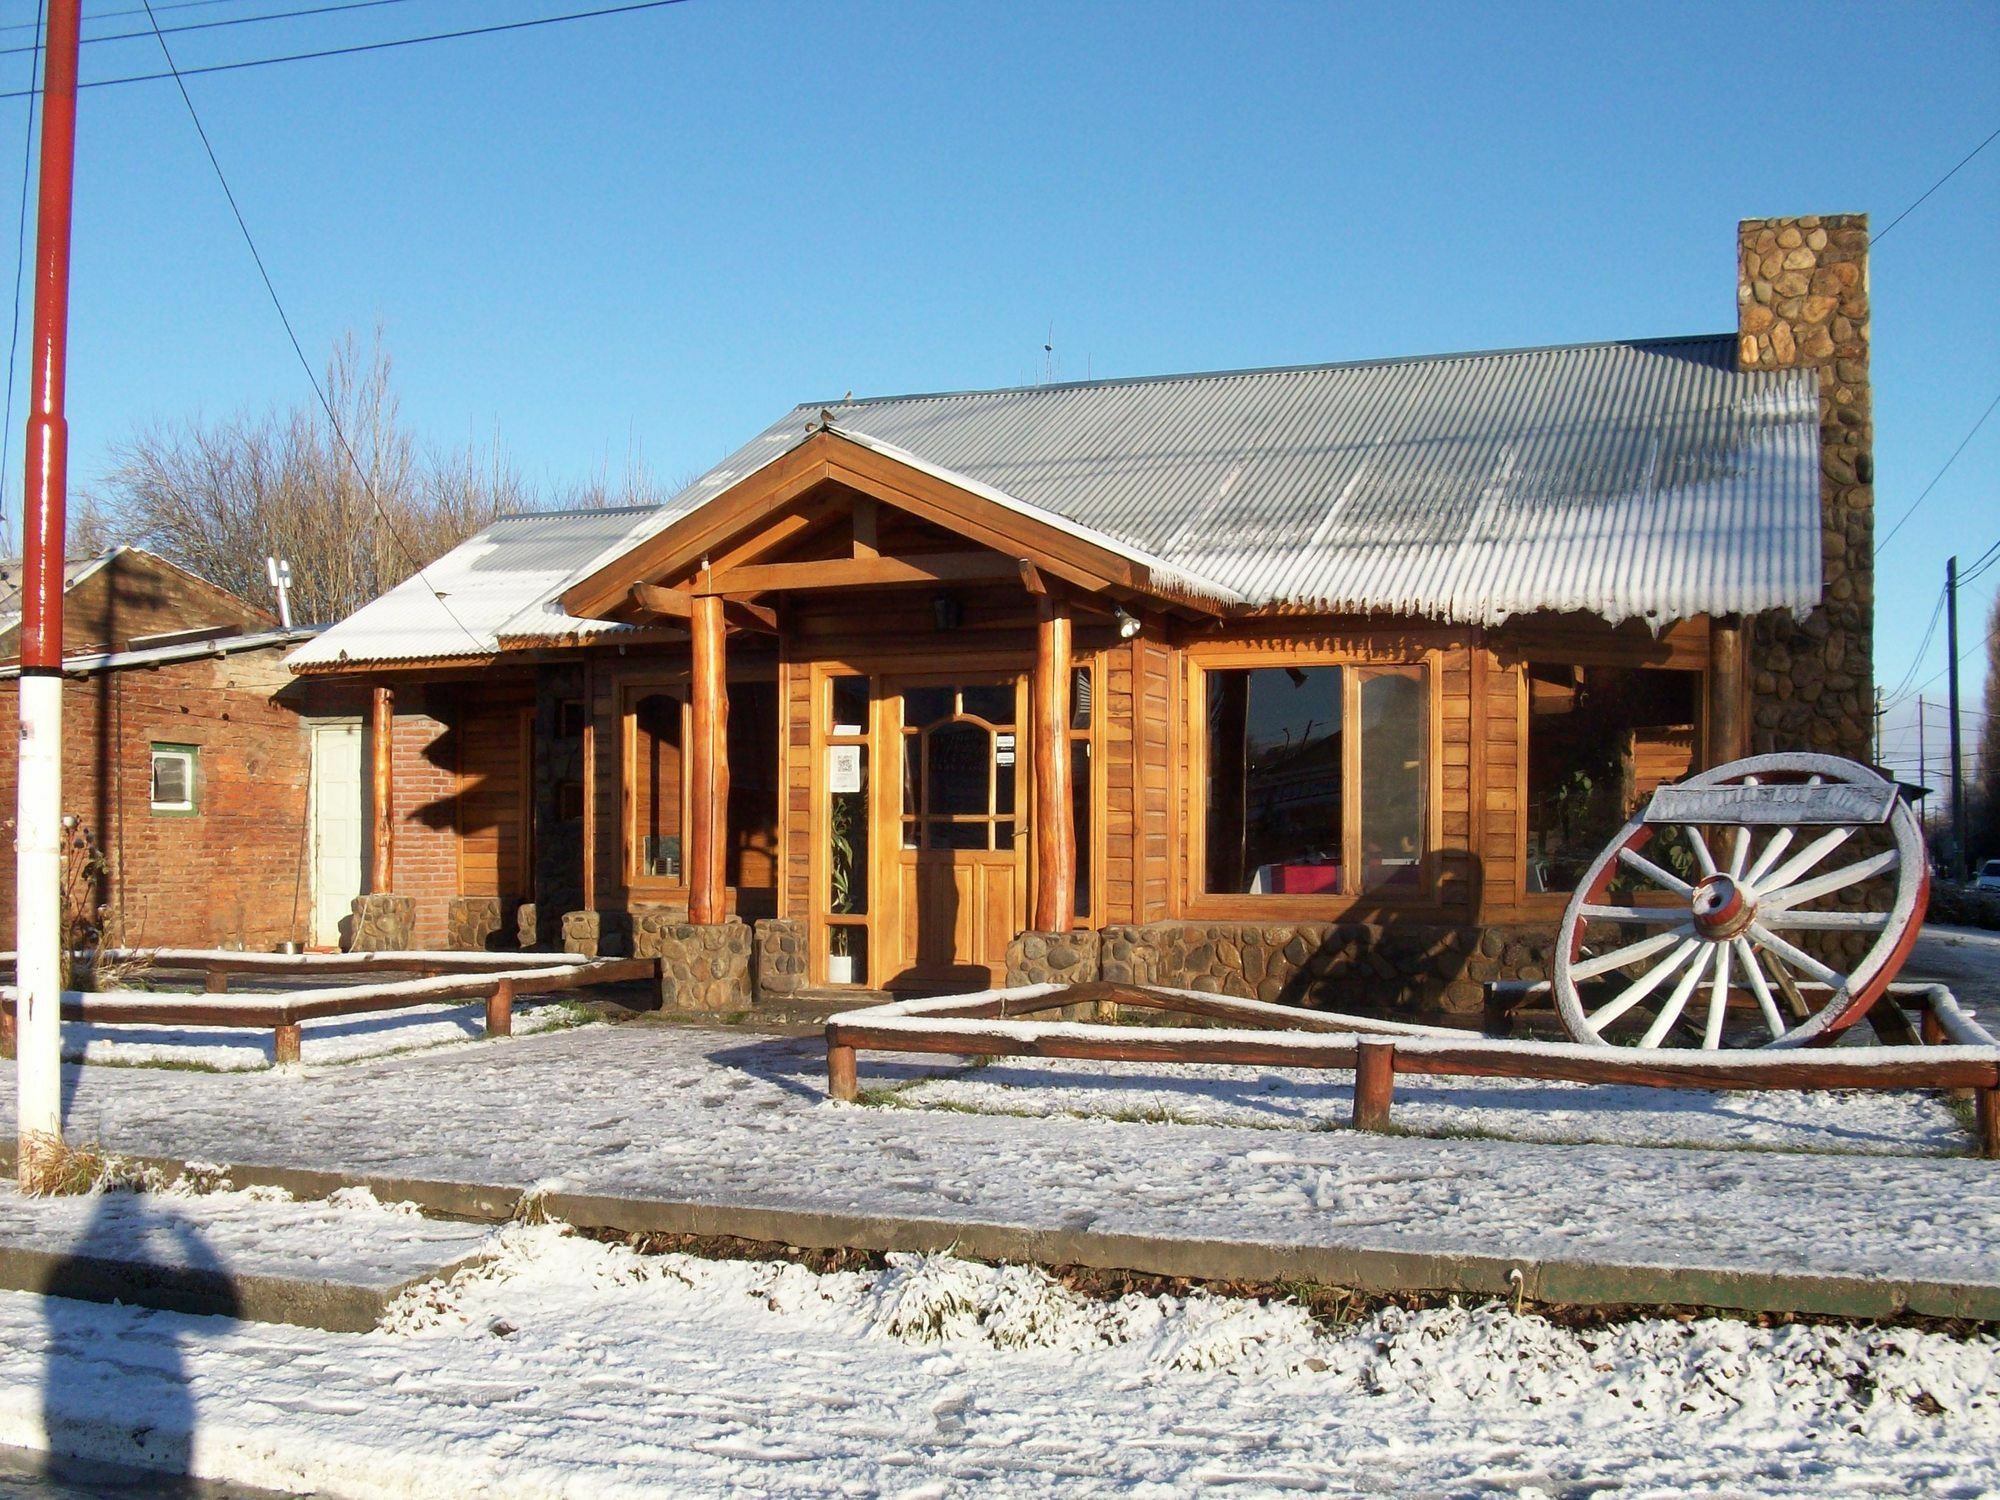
(1982,824)
(351,501)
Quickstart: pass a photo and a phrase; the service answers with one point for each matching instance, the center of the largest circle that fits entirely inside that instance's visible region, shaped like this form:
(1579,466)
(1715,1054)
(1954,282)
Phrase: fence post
(500,1009)
(842,1081)
(1374,1082)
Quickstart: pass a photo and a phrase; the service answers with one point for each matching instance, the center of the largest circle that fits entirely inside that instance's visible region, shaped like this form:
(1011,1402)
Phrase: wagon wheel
(1782,826)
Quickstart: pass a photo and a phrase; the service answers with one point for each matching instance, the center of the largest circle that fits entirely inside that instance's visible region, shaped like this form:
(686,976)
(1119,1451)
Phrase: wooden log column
(708,775)
(1055,823)
(589,881)
(382,787)
(1728,735)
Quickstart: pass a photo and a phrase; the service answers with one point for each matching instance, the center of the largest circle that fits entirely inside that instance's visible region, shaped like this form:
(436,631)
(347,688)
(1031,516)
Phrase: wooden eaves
(1016,545)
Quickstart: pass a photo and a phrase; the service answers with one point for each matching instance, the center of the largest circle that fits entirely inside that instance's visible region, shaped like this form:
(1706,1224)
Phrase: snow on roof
(1647,479)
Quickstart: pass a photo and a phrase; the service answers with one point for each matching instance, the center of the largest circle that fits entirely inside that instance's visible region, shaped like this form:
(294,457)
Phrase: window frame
(1201,903)
(191,756)
(630,691)
(1519,659)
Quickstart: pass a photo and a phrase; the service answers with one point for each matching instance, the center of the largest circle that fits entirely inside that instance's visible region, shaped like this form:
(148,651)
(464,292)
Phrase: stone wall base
(1365,969)
(479,924)
(383,923)
(778,970)
(701,968)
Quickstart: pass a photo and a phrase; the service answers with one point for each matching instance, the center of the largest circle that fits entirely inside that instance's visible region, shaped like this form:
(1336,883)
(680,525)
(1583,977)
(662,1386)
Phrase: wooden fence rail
(283,1013)
(1963,1056)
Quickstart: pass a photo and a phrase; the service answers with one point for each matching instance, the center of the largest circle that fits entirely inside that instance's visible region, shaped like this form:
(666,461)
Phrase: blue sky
(649,234)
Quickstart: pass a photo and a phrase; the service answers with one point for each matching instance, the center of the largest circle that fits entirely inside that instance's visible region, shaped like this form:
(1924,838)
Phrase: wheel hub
(1722,908)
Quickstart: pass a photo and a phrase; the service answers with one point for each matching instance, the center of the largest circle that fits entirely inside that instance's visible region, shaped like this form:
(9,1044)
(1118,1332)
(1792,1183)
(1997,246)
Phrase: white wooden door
(338,823)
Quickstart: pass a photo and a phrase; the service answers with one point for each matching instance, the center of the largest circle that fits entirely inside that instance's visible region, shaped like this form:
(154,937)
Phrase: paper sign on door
(843,768)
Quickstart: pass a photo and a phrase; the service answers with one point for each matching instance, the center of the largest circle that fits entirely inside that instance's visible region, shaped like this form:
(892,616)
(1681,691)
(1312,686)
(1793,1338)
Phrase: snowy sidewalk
(729,1132)
(565,1367)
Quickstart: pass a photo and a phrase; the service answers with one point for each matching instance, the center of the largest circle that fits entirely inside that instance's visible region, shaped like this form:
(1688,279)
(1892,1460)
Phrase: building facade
(1318,685)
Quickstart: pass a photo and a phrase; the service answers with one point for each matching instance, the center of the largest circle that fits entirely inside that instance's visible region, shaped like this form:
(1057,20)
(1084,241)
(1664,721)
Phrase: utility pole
(1957,771)
(1878,724)
(38,934)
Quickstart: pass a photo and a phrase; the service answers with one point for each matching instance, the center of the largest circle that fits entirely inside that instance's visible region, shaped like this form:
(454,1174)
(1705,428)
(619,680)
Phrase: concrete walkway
(729,1133)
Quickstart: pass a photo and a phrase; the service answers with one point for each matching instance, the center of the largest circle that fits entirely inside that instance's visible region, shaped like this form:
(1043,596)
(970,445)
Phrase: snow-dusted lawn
(563,1367)
(1310,1099)
(736,1119)
(336,1039)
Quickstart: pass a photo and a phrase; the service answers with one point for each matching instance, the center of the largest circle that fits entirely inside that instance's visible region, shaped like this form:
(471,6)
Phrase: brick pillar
(1802,302)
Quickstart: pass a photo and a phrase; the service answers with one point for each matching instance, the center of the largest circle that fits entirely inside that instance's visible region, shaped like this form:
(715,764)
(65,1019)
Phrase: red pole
(38,910)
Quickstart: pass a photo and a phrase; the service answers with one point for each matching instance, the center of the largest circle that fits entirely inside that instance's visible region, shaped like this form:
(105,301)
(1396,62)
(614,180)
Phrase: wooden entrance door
(961,871)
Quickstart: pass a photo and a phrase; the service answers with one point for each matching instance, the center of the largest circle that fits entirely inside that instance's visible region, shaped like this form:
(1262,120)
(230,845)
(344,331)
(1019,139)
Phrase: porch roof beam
(866,572)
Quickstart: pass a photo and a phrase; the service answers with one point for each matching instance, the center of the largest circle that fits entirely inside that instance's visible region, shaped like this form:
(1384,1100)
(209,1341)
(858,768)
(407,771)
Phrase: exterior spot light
(947,611)
(1128,623)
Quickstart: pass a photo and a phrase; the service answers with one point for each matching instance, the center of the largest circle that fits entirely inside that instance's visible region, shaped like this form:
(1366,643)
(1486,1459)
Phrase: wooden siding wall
(495,733)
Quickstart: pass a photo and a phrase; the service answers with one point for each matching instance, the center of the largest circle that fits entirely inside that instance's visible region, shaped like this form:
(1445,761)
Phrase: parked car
(1988,878)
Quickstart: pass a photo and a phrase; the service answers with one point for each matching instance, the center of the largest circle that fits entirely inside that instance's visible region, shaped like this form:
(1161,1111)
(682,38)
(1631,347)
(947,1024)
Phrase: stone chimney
(1802,301)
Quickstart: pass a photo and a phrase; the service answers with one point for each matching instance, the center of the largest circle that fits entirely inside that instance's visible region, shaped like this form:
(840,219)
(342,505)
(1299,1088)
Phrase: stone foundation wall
(383,923)
(1362,968)
(1802,302)
(702,968)
(1053,958)
(778,970)
(479,924)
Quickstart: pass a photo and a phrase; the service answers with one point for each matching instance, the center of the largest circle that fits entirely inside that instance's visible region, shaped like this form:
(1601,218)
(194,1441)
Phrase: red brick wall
(234,871)
(424,856)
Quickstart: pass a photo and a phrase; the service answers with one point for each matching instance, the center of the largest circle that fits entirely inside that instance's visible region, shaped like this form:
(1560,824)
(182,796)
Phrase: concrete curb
(1574,1283)
(334,1306)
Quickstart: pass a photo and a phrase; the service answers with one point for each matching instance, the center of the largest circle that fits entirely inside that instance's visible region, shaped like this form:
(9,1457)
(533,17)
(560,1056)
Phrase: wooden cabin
(1298,683)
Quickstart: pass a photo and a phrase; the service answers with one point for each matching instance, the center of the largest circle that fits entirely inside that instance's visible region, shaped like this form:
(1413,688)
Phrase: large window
(1316,779)
(1600,740)
(657,720)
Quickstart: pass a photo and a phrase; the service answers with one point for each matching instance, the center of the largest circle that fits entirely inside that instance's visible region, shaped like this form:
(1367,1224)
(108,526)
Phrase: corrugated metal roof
(460,604)
(1648,479)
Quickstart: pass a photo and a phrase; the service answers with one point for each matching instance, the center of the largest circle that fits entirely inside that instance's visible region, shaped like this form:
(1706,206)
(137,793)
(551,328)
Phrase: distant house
(186,760)
(1255,681)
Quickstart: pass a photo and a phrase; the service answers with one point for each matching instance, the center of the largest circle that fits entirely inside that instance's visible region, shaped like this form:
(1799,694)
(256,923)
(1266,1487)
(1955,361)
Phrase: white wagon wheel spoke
(1643,986)
(1617,958)
(1718,1000)
(1780,842)
(1654,873)
(1825,921)
(1644,916)
(1827,884)
(1797,957)
(1677,1001)
(1759,986)
(1703,859)
(1806,858)
(1739,851)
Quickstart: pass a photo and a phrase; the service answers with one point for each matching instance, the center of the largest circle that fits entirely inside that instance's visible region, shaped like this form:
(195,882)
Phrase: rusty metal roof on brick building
(1647,479)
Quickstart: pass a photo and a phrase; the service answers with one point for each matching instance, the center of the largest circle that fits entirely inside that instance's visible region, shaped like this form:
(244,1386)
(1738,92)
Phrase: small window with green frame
(176,779)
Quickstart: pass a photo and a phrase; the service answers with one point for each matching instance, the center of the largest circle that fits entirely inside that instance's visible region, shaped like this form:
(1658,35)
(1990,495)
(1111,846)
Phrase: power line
(1935,186)
(1916,664)
(20,267)
(1937,476)
(270,287)
(408,41)
(133,11)
(279,15)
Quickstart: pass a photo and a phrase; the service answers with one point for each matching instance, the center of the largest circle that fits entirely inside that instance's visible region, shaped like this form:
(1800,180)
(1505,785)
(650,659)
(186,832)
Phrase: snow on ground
(735,1119)
(336,1039)
(565,1367)
(1902,1124)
